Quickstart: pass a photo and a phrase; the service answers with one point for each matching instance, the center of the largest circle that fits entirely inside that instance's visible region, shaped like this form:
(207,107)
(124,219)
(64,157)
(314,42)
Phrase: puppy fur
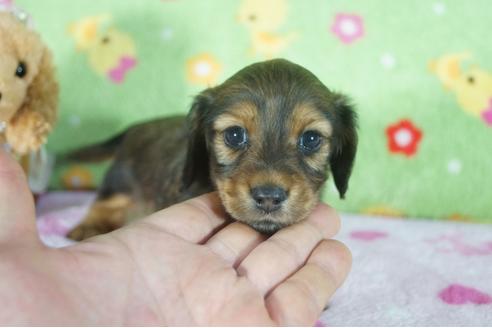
(271,180)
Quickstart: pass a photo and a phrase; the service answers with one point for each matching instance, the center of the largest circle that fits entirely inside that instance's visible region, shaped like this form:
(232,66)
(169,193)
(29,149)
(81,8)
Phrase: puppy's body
(145,175)
(148,164)
(265,140)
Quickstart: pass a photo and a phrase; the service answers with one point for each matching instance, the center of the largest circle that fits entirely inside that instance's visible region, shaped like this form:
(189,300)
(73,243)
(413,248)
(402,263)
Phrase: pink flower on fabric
(455,243)
(368,235)
(348,27)
(457,294)
(6,3)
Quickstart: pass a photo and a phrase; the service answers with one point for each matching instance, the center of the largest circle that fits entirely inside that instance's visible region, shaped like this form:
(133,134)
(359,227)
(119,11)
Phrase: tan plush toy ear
(30,126)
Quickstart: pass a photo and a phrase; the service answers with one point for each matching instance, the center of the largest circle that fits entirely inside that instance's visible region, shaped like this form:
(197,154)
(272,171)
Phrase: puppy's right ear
(196,167)
(344,144)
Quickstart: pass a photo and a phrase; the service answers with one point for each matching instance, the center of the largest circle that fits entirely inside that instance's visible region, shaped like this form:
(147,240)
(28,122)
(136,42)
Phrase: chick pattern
(263,19)
(111,52)
(472,86)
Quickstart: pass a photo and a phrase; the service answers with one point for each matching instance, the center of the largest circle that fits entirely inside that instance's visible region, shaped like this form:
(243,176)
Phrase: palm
(198,285)
(206,290)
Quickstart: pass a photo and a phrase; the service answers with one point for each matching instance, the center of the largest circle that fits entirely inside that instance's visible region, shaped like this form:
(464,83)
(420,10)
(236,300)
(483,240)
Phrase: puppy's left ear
(344,145)
(196,166)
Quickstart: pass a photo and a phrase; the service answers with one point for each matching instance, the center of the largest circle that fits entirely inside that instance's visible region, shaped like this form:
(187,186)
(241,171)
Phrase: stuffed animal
(28,89)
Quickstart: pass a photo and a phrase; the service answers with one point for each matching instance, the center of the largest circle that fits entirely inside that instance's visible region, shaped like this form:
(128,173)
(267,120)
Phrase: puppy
(265,139)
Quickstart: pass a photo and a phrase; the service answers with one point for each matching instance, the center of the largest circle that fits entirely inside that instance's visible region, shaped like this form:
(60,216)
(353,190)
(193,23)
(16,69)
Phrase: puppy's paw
(85,231)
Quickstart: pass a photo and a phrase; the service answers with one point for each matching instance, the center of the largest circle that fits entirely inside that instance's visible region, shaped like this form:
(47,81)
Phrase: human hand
(185,265)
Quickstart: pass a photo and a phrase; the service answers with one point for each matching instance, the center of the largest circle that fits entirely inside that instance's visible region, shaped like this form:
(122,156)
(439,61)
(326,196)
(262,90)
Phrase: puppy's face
(266,139)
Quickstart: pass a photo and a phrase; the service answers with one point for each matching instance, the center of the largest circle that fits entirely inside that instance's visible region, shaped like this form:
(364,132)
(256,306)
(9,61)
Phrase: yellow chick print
(263,19)
(111,52)
(472,87)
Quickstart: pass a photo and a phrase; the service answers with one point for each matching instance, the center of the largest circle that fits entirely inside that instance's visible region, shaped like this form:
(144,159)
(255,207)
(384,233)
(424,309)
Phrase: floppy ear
(34,120)
(345,144)
(196,167)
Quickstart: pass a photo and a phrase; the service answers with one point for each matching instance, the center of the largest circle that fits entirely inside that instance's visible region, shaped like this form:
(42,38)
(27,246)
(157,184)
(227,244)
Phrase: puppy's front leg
(104,216)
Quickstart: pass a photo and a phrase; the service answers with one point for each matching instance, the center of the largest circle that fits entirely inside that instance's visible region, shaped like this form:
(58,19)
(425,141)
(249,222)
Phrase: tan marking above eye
(226,121)
(322,127)
(242,114)
(306,117)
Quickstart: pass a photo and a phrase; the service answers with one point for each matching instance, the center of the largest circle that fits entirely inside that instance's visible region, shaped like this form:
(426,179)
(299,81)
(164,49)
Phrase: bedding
(419,72)
(405,272)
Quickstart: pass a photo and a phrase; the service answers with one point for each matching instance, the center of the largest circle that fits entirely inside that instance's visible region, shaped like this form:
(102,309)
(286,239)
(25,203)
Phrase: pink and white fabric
(414,273)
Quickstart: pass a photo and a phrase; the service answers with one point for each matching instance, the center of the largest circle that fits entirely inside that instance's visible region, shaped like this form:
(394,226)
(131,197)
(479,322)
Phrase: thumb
(17,215)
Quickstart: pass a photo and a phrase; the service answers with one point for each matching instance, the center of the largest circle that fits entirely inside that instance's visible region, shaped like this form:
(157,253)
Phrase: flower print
(348,27)
(403,137)
(203,69)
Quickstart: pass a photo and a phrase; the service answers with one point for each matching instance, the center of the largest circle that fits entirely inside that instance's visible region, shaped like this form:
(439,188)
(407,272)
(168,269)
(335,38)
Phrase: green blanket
(418,71)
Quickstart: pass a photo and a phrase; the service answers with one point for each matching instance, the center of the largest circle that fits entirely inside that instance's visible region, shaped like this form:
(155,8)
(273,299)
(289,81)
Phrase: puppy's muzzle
(268,198)
(267,227)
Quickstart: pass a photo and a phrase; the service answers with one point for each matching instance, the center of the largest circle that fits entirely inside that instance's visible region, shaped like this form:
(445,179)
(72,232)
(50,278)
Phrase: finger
(283,253)
(234,242)
(17,215)
(194,220)
(301,298)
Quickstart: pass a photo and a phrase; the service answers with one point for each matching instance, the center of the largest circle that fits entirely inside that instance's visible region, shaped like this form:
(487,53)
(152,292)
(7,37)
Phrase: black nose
(0,96)
(269,198)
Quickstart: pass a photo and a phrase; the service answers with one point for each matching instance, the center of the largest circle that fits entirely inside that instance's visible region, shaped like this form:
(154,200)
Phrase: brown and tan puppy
(265,139)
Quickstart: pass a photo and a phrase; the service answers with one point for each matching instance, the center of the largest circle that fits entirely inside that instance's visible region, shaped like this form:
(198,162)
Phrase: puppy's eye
(309,141)
(235,137)
(21,70)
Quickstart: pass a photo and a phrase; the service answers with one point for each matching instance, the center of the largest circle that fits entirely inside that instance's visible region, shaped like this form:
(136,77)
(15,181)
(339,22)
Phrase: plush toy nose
(269,198)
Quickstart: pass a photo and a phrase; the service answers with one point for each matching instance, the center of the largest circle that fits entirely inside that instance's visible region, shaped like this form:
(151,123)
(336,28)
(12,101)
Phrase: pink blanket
(405,272)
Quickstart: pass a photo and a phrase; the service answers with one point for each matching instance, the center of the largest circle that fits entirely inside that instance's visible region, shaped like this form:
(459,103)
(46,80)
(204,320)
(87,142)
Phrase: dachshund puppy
(265,139)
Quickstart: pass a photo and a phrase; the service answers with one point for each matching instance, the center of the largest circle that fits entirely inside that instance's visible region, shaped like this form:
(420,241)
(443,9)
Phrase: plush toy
(28,90)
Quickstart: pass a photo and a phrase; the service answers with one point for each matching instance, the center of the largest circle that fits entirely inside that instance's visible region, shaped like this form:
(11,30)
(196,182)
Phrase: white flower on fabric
(167,33)
(439,8)
(74,120)
(388,61)
(454,166)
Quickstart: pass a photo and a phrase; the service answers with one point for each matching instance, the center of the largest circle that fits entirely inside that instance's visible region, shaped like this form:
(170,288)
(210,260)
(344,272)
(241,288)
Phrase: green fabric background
(167,33)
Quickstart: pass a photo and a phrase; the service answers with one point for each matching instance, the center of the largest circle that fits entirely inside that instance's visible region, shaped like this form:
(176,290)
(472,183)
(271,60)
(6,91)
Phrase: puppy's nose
(0,96)
(268,198)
